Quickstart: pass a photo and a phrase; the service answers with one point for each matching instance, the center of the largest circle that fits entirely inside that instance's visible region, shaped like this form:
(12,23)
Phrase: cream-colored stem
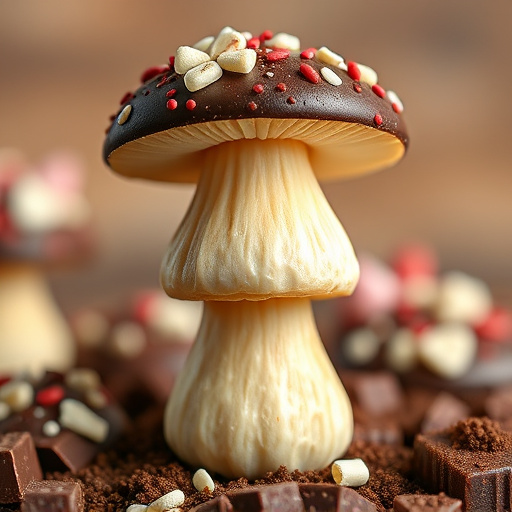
(258,390)
(34,335)
(259,227)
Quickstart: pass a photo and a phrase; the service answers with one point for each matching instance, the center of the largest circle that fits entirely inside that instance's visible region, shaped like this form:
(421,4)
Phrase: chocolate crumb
(479,434)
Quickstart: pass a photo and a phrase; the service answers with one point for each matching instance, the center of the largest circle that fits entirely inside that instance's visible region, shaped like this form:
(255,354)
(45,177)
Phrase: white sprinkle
(82,379)
(204,44)
(202,480)
(18,395)
(127,339)
(124,115)
(202,76)
(5,410)
(401,351)
(327,56)
(269,74)
(283,40)
(241,61)
(393,97)
(79,418)
(227,40)
(368,75)
(51,428)
(188,58)
(330,76)
(350,472)
(361,346)
(168,501)
(137,507)
(39,412)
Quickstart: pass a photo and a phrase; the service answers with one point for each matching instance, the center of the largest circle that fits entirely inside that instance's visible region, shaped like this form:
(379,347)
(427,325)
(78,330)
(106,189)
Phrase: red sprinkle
(278,54)
(291,100)
(162,82)
(309,53)
(172,104)
(190,104)
(266,35)
(378,119)
(396,108)
(258,88)
(152,72)
(357,87)
(281,87)
(252,106)
(50,396)
(353,71)
(310,73)
(126,98)
(379,91)
(170,93)
(253,43)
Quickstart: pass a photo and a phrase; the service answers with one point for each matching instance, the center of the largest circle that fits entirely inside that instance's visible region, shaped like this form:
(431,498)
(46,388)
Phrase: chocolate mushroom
(256,123)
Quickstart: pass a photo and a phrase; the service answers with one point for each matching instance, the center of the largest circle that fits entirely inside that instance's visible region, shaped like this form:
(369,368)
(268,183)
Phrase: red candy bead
(51,395)
(379,91)
(353,70)
(172,104)
(190,104)
(258,88)
(415,261)
(252,106)
(378,119)
(170,93)
(279,54)
(308,53)
(266,35)
(310,74)
(253,43)
(281,87)
(496,327)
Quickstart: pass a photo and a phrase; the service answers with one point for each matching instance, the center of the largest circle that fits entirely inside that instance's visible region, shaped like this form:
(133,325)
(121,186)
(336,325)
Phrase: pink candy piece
(63,172)
(415,260)
(497,327)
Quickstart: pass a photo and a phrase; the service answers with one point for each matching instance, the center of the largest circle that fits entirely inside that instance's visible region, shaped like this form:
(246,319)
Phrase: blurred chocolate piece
(218,504)
(284,497)
(376,393)
(382,430)
(498,404)
(53,496)
(426,503)
(333,498)
(444,411)
(471,461)
(18,465)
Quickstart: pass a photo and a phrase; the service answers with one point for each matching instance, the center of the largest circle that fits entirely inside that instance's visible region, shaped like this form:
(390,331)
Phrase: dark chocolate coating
(232,96)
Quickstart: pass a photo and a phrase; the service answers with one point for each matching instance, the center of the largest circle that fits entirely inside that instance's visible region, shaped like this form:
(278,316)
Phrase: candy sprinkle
(252,106)
(279,54)
(378,119)
(258,88)
(357,87)
(291,100)
(308,53)
(253,43)
(190,104)
(330,76)
(281,87)
(124,115)
(266,35)
(379,91)
(310,74)
(172,104)
(353,71)
(170,93)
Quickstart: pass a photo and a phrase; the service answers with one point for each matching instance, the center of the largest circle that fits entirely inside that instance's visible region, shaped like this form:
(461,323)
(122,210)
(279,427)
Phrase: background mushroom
(255,122)
(44,221)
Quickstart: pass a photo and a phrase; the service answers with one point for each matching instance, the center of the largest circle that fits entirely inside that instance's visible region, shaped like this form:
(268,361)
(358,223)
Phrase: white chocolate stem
(258,390)
(259,227)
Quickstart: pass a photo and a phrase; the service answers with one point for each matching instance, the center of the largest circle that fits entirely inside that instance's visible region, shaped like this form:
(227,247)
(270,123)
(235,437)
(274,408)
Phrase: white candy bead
(393,97)
(128,339)
(227,40)
(137,507)
(80,419)
(204,44)
(463,298)
(83,379)
(401,352)
(124,115)
(329,57)
(18,395)
(350,472)
(188,58)
(202,480)
(167,502)
(330,76)
(448,349)
(283,40)
(240,61)
(51,428)
(368,75)
(5,410)
(202,76)
(361,346)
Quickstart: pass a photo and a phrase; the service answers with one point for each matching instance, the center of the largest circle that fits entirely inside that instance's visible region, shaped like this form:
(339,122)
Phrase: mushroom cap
(351,128)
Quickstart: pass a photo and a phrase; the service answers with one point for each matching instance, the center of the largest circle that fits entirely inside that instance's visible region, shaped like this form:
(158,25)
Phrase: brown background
(65,65)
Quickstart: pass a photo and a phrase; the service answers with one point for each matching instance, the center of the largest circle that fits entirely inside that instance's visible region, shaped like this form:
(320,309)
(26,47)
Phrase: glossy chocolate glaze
(233,97)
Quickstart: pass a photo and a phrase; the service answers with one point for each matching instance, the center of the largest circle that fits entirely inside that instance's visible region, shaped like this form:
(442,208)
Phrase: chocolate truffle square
(53,496)
(480,478)
(426,503)
(284,497)
(19,465)
(333,498)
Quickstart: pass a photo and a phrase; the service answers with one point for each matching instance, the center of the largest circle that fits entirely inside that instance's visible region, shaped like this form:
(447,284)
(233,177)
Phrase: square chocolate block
(283,497)
(53,496)
(19,465)
(333,498)
(481,479)
(426,503)
(218,504)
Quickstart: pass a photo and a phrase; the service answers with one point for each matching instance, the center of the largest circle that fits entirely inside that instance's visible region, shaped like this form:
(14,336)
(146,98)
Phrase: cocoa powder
(479,434)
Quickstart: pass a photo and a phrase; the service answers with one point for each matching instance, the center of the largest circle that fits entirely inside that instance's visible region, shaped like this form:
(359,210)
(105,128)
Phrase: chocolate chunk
(498,405)
(218,504)
(284,497)
(18,465)
(443,412)
(426,503)
(333,498)
(481,479)
(53,496)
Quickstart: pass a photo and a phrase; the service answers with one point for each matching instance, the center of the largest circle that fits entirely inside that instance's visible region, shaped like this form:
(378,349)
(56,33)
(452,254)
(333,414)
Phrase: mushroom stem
(258,391)
(259,227)
(34,335)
